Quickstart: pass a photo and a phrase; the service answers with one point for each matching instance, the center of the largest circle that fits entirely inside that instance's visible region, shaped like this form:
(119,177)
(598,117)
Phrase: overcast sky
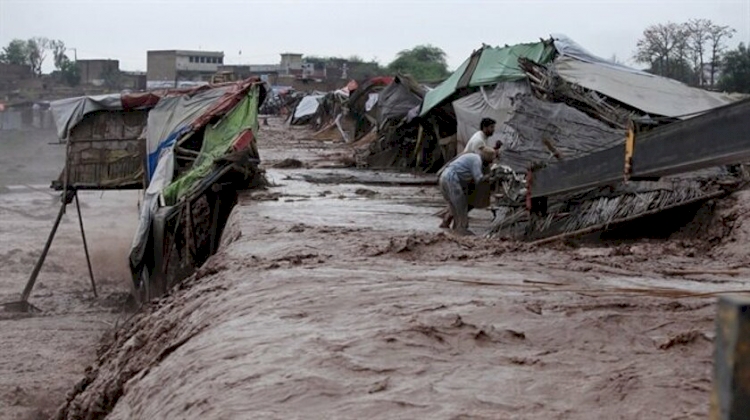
(125,29)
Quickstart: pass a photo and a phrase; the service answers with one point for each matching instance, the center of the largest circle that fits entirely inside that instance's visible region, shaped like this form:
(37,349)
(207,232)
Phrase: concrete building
(93,72)
(12,74)
(291,64)
(170,67)
(266,72)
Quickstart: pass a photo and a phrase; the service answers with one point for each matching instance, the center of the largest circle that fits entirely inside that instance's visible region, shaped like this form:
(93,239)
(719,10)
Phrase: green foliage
(736,73)
(36,49)
(58,52)
(69,72)
(16,52)
(423,62)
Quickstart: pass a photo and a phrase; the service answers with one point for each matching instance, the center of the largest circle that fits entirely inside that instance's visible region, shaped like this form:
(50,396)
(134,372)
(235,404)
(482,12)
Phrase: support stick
(38,267)
(85,246)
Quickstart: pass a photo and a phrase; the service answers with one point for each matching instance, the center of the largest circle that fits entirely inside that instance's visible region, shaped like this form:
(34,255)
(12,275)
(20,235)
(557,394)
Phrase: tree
(69,72)
(15,53)
(736,74)
(716,37)
(678,50)
(58,52)
(698,34)
(664,48)
(37,48)
(423,62)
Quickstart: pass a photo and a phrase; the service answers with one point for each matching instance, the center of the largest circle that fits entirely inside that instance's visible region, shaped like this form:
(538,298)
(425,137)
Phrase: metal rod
(85,246)
(35,273)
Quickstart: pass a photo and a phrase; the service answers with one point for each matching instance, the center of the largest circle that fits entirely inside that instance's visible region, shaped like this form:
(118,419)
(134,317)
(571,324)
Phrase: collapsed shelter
(188,149)
(554,101)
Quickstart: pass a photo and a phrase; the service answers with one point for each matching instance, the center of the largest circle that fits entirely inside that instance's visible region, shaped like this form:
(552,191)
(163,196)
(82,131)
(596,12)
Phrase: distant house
(266,72)
(94,72)
(291,64)
(170,68)
(13,76)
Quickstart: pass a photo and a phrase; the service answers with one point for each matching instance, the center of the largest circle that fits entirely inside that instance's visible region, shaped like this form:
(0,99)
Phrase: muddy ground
(44,355)
(335,295)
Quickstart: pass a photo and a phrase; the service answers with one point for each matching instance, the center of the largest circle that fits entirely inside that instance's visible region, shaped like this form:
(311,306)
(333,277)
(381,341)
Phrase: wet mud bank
(345,315)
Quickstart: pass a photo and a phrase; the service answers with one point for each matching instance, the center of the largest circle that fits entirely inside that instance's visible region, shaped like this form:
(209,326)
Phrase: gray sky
(125,29)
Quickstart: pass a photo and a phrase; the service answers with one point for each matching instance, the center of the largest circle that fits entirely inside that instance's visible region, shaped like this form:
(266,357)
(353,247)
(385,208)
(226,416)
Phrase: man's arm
(476,169)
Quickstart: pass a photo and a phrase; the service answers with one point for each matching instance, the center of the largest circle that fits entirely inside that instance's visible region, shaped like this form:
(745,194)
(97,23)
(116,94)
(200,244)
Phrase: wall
(134,82)
(183,62)
(291,63)
(161,66)
(93,71)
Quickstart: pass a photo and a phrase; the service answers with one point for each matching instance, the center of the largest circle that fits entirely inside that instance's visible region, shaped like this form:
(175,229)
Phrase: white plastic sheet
(307,106)
(69,112)
(490,102)
(372,100)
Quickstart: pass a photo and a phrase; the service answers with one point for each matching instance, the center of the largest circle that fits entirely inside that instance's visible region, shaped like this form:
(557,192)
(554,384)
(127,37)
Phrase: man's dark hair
(486,122)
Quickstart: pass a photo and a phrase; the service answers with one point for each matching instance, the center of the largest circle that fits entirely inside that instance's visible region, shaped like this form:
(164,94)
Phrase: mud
(326,301)
(44,354)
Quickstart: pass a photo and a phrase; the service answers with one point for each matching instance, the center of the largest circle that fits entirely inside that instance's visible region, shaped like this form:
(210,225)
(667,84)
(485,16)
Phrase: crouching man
(456,180)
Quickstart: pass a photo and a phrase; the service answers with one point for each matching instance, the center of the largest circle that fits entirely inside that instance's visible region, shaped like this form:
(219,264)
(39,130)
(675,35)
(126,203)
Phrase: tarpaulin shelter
(399,98)
(488,66)
(363,105)
(392,143)
(197,141)
(491,80)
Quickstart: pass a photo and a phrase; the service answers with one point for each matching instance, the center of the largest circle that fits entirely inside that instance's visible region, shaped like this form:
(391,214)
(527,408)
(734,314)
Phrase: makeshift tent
(178,120)
(393,145)
(488,66)
(363,106)
(399,98)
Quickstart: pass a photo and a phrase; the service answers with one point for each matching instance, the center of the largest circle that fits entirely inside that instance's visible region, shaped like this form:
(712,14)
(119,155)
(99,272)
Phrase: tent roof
(651,94)
(487,66)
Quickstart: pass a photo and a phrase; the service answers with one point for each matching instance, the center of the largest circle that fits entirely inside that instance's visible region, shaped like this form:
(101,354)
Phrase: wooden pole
(730,399)
(85,245)
(38,267)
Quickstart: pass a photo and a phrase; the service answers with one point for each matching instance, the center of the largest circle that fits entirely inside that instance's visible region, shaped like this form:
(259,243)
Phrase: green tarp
(495,65)
(217,141)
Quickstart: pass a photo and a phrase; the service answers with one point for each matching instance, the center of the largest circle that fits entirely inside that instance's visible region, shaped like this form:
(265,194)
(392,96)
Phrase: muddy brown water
(345,300)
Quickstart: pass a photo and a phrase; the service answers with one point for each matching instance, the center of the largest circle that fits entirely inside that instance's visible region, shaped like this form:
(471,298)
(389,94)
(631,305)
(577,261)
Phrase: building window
(221,60)
(203,59)
(192,59)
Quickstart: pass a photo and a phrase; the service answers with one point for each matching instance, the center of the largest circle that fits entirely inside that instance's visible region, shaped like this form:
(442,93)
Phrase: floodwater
(335,295)
(44,355)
